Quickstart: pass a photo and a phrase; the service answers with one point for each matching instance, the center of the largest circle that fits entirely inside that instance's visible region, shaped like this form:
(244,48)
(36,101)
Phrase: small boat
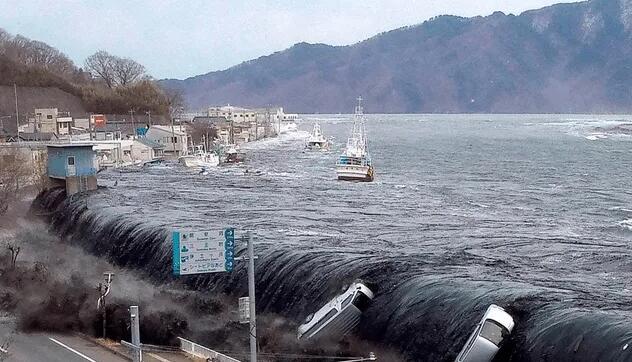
(317,140)
(199,158)
(355,162)
(232,155)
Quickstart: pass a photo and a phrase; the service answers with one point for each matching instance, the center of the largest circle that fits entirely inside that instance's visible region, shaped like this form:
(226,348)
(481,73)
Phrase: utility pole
(131,112)
(104,289)
(17,113)
(135,327)
(251,299)
(173,132)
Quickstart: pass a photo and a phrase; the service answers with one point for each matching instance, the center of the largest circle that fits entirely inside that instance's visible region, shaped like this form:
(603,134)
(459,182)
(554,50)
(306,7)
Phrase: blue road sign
(197,252)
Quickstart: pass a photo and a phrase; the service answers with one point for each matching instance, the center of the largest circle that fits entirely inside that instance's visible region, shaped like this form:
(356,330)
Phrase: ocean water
(531,212)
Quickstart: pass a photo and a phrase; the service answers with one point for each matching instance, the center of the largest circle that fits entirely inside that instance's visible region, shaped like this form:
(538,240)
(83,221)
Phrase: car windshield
(493,332)
(361,301)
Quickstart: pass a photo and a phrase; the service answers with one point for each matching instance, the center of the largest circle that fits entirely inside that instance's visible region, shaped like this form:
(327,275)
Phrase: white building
(174,138)
(63,125)
(231,113)
(119,153)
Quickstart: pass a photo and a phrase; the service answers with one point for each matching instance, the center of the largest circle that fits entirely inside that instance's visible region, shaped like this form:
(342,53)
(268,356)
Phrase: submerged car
(339,316)
(488,336)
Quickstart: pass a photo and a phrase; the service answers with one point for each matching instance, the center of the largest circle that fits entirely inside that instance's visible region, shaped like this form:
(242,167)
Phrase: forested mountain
(564,58)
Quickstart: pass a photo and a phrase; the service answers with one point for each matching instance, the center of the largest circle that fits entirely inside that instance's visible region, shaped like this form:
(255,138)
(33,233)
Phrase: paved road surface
(46,347)
(57,348)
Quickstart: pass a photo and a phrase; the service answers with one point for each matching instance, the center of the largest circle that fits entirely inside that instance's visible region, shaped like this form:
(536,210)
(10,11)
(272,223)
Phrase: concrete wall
(80,184)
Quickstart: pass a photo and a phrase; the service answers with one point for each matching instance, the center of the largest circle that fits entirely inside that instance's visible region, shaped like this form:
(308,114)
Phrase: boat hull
(195,162)
(355,173)
(317,145)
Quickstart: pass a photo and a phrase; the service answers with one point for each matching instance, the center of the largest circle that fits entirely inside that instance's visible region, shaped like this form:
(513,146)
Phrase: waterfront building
(73,166)
(175,139)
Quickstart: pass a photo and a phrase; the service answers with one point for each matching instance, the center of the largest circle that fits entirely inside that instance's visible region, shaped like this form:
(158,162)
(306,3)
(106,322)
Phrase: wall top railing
(201,351)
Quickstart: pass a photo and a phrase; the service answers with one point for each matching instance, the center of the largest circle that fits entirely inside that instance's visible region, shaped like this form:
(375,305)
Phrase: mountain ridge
(564,58)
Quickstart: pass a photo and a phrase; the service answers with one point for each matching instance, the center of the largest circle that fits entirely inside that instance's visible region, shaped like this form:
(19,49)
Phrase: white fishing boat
(199,158)
(317,140)
(355,162)
(232,155)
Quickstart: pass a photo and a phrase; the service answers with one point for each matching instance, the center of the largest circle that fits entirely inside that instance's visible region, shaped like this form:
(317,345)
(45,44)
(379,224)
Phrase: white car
(339,316)
(488,336)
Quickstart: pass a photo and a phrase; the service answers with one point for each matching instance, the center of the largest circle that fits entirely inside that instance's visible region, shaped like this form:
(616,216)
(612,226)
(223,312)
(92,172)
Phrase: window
(493,332)
(175,139)
(49,116)
(361,301)
(346,301)
(71,160)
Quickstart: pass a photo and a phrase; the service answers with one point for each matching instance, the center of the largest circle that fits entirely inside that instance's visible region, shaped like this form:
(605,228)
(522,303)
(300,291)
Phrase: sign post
(198,252)
(251,299)
(135,327)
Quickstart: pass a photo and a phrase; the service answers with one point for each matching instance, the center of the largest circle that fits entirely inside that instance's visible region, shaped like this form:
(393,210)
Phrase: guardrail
(201,351)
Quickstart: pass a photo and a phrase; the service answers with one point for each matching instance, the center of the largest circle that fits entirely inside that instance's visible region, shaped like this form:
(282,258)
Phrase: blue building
(73,165)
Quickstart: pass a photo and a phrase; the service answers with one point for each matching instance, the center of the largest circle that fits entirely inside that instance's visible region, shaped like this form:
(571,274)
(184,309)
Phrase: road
(57,348)
(51,347)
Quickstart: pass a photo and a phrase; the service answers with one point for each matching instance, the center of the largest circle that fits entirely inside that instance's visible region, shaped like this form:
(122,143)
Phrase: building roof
(69,145)
(176,129)
(37,136)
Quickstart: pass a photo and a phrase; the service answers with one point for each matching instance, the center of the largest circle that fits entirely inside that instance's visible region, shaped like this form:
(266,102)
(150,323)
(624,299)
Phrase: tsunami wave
(420,309)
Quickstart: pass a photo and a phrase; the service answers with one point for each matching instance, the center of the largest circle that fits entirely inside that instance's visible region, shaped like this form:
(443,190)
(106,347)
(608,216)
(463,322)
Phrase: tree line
(106,83)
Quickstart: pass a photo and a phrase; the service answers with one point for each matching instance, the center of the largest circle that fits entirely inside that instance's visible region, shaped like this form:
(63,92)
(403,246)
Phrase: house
(146,150)
(64,124)
(174,138)
(73,165)
(46,120)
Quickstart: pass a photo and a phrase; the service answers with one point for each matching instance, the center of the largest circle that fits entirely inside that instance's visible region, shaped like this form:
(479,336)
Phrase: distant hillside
(46,77)
(564,58)
(36,97)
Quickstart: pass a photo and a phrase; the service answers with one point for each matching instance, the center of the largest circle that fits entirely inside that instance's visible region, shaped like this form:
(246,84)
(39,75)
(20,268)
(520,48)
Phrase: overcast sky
(182,38)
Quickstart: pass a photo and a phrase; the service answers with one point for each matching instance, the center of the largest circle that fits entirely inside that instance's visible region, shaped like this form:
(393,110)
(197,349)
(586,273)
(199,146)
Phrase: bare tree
(15,251)
(5,38)
(101,65)
(127,71)
(35,53)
